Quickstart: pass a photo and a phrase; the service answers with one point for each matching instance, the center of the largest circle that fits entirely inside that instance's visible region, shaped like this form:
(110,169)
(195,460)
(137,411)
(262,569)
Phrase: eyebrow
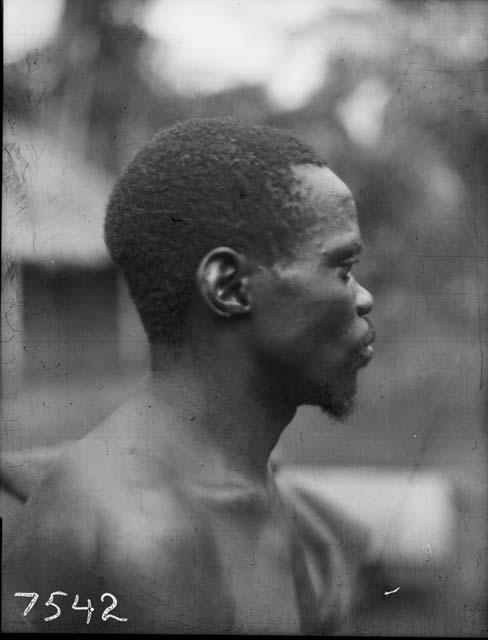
(344,251)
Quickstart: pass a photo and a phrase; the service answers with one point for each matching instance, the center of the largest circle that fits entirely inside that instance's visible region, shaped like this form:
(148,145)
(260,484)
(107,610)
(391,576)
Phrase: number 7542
(89,609)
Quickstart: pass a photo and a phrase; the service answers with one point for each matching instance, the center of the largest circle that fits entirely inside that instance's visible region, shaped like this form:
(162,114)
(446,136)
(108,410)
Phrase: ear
(223,283)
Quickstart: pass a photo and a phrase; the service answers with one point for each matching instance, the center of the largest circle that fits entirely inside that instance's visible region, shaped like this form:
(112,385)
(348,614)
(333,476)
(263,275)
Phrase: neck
(217,410)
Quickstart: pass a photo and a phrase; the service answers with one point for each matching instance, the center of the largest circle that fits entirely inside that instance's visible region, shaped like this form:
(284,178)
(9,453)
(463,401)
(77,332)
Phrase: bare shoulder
(100,524)
(55,538)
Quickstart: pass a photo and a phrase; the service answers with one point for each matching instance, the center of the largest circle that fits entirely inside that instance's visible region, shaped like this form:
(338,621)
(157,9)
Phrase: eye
(345,269)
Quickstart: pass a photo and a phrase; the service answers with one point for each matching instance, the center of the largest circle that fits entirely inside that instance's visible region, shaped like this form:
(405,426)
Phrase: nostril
(364,301)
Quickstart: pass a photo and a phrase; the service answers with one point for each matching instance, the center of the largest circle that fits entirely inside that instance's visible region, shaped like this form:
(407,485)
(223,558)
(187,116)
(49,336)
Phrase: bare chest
(257,578)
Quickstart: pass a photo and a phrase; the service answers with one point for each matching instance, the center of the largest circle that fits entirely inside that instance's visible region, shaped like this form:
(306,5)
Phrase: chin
(336,399)
(341,409)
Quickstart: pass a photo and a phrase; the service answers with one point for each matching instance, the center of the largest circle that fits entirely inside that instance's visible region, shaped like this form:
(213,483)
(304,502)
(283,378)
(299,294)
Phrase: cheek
(303,319)
(334,317)
(334,330)
(329,313)
(278,326)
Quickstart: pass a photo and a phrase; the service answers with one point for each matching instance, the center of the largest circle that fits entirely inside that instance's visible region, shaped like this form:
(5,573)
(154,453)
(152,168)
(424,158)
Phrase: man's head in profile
(237,243)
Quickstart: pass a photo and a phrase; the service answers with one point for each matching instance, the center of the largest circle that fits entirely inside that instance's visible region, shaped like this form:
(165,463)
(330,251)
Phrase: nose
(364,300)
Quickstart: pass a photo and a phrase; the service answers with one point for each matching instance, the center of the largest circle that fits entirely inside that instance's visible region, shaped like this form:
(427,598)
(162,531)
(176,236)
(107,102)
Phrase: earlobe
(223,283)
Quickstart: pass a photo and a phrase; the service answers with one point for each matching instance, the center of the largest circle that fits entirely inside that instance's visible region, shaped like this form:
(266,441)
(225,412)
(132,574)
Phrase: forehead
(325,193)
(330,205)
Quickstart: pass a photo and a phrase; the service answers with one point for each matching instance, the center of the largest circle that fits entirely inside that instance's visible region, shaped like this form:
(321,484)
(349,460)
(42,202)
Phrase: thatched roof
(53,202)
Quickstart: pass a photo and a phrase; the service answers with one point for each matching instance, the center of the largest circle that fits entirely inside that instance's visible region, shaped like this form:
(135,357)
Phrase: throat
(223,434)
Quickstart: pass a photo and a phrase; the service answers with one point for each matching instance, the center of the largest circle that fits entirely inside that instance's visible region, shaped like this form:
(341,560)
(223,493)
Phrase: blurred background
(396,96)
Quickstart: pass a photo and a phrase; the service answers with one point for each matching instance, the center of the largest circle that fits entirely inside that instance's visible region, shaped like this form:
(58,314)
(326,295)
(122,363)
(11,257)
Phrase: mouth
(365,355)
(366,352)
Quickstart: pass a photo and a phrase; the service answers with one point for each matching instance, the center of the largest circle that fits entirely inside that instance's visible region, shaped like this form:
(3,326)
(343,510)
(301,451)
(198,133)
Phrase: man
(237,243)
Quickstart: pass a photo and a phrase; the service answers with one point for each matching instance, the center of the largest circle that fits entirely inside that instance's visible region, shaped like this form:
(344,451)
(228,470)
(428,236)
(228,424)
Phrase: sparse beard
(337,398)
(336,402)
(338,406)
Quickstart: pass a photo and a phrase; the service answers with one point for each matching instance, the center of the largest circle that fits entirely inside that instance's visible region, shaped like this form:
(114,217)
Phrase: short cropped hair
(201,184)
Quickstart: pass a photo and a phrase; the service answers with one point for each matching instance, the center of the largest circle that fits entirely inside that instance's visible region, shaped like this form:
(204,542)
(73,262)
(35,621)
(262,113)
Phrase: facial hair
(338,402)
(336,397)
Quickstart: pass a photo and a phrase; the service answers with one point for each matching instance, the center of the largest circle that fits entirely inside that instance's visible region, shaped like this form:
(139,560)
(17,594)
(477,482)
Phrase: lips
(366,351)
(365,355)
(370,334)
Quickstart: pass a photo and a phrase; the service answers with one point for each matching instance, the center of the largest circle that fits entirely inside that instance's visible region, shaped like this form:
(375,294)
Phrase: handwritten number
(34,597)
(106,614)
(89,609)
(50,603)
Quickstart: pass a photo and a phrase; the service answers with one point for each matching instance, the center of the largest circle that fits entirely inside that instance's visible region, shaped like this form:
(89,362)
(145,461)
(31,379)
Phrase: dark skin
(167,503)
